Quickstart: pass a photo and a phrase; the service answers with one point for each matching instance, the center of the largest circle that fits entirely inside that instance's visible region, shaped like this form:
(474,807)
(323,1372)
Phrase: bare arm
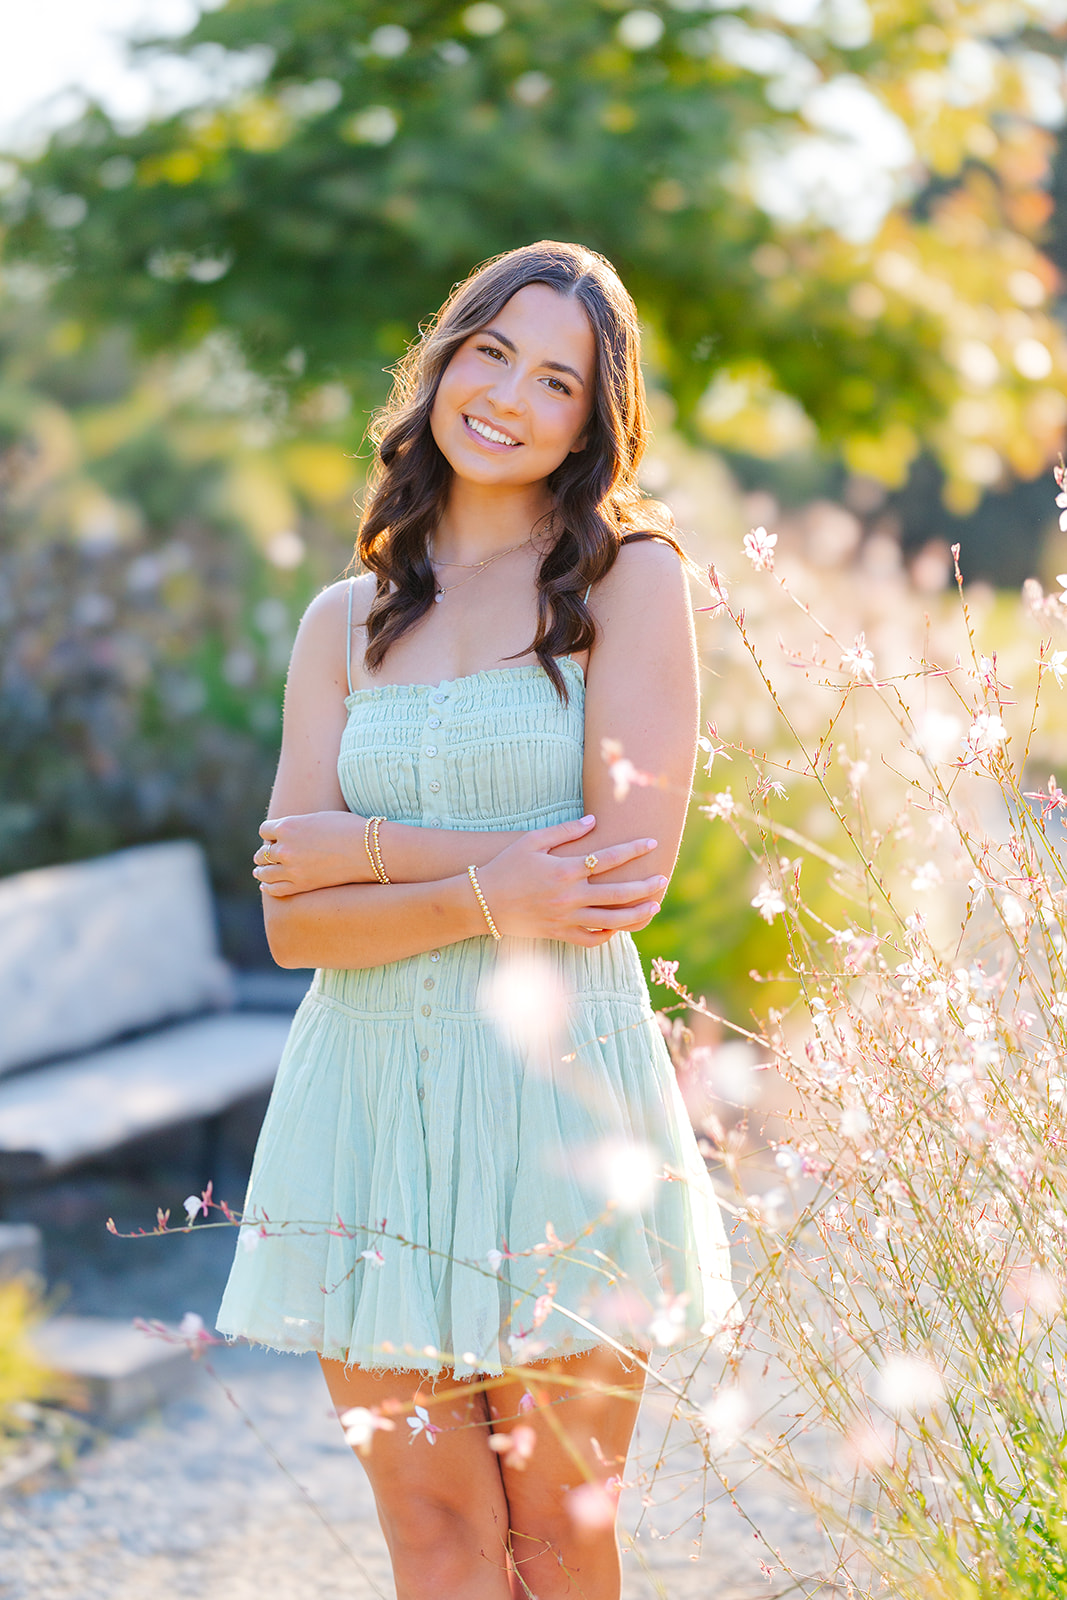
(326,849)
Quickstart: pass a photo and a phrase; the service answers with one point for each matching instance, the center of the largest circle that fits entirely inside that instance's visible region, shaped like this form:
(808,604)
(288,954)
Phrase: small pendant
(439,596)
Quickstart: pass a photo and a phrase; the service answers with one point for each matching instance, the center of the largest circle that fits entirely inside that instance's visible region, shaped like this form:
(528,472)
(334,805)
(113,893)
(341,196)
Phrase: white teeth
(489,433)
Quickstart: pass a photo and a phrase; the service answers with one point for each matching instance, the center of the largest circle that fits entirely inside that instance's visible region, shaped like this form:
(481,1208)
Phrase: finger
(278,891)
(615,921)
(617,855)
(586,938)
(560,833)
(272,873)
(269,830)
(627,894)
(261,859)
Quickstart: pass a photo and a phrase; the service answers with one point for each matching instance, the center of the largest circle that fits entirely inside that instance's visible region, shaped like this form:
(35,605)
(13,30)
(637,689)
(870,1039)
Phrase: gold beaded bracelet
(373,848)
(379,864)
(493,929)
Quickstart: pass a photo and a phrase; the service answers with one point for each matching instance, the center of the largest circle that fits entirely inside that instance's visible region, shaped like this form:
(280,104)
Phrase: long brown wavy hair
(596,499)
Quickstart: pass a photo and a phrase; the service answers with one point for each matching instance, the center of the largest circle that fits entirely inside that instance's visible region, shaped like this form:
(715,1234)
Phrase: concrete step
(120,1370)
(20,1250)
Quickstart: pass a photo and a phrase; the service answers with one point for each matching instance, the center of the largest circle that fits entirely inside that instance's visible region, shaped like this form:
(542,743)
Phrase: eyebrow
(553,366)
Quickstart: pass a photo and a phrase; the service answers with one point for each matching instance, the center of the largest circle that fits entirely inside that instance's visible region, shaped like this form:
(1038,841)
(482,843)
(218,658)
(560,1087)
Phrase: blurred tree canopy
(830,212)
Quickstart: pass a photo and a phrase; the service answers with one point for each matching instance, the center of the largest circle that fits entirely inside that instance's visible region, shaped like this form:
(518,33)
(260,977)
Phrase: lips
(486,434)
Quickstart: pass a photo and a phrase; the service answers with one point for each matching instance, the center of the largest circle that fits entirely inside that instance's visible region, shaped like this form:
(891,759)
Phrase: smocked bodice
(497,750)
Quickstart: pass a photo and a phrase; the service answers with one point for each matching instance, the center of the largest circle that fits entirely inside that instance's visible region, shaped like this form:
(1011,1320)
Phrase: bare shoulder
(648,580)
(319,652)
(331,604)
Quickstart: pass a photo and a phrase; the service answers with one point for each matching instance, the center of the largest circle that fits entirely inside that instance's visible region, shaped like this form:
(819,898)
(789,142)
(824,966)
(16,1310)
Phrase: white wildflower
(768,902)
(985,735)
(759,548)
(712,748)
(1056,663)
(858,661)
(420,1423)
(722,805)
(361,1424)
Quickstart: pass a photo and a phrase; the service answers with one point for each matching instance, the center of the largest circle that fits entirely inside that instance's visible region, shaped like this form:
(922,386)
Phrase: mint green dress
(478,1156)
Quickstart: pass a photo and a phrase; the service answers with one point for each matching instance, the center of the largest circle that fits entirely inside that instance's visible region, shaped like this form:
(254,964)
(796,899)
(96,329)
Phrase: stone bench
(117,1013)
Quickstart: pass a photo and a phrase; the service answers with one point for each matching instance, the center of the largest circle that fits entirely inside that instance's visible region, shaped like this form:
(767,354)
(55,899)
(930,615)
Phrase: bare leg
(441,1506)
(561,1503)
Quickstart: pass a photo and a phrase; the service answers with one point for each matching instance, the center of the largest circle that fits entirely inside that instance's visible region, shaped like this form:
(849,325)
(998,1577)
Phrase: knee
(575,1522)
(431,1535)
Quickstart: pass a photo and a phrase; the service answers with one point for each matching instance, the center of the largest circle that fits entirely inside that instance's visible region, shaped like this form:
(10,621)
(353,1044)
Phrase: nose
(505,391)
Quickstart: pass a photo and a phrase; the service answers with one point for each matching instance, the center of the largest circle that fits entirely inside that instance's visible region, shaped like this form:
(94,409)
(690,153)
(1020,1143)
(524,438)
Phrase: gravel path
(190,1500)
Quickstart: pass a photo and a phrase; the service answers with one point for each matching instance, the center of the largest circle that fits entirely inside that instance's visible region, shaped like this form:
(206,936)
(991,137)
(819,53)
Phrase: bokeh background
(844,223)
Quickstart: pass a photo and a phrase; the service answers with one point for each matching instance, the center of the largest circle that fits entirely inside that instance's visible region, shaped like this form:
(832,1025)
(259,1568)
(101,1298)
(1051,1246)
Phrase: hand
(318,851)
(533,894)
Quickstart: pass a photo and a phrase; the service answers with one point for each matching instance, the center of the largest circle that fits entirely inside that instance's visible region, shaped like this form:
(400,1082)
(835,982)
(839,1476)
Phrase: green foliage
(729,952)
(322,215)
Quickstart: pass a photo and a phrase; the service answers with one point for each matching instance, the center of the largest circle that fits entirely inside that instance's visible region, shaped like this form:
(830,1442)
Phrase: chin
(467,462)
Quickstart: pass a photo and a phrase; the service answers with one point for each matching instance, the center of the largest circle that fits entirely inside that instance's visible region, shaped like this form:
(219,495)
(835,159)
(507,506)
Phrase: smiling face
(516,396)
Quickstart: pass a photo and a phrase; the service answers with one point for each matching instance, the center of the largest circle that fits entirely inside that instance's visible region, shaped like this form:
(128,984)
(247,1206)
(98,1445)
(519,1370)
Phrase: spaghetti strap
(585,601)
(348,636)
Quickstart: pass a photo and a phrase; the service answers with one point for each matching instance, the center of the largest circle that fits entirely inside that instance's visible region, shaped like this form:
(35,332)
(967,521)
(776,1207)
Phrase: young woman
(480,1181)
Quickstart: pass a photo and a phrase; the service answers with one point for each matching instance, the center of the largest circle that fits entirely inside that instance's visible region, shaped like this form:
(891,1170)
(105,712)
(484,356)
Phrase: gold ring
(591,862)
(267,859)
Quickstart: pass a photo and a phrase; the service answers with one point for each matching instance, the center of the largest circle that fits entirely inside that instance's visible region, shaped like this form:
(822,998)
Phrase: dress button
(431,749)
(434,787)
(435,822)
(434,722)
(426,1010)
(424,1055)
(439,699)
(435,955)
(427,983)
(422,1094)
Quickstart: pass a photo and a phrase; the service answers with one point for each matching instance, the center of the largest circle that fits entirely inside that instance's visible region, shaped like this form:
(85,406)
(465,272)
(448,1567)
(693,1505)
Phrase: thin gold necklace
(479,566)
